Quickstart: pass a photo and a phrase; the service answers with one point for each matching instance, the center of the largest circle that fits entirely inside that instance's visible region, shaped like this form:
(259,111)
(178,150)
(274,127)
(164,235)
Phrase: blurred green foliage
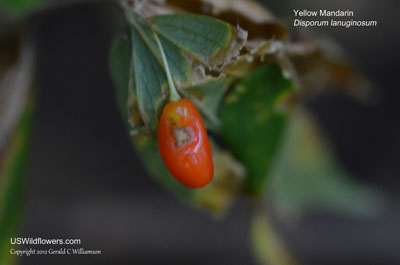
(19,7)
(253,122)
(12,178)
(307,176)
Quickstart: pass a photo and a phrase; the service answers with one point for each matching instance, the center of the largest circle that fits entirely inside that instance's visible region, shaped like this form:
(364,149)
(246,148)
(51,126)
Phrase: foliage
(247,76)
(20,7)
(12,177)
(307,176)
(244,83)
(254,119)
(186,50)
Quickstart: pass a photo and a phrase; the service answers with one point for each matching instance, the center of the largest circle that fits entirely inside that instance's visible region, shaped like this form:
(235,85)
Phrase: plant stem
(173,93)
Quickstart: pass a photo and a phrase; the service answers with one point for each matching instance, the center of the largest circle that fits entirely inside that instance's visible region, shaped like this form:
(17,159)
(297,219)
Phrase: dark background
(86,181)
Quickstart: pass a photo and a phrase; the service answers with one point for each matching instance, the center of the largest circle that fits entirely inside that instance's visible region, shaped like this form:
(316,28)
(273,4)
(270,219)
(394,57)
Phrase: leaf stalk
(173,93)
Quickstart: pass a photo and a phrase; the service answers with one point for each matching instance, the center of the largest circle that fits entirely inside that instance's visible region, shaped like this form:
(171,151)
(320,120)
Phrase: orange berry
(184,145)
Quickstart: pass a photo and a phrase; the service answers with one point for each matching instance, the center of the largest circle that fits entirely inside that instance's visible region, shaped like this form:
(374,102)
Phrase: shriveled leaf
(307,176)
(212,41)
(248,14)
(309,62)
(254,55)
(323,66)
(149,81)
(253,121)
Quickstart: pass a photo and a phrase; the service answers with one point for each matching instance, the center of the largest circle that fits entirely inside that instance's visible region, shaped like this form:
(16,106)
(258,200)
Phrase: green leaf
(122,75)
(210,40)
(205,92)
(143,90)
(201,35)
(12,180)
(145,98)
(253,122)
(307,176)
(179,65)
(149,81)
